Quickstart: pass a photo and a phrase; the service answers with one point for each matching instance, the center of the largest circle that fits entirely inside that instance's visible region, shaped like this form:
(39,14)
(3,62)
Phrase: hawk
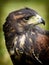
(26,42)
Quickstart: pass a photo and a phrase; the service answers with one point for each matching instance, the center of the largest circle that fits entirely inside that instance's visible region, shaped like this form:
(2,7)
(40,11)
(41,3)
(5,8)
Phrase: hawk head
(19,20)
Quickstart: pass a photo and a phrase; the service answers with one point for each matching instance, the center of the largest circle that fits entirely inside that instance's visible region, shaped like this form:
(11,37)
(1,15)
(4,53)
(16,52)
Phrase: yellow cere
(34,19)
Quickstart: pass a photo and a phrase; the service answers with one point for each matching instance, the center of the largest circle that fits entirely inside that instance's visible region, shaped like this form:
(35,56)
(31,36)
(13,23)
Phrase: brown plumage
(26,43)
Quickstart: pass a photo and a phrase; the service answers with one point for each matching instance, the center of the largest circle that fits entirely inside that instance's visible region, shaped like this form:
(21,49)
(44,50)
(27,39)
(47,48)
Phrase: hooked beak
(36,20)
(43,22)
(39,20)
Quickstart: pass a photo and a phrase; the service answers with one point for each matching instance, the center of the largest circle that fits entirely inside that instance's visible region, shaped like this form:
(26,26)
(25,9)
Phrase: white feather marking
(11,52)
(22,41)
(15,40)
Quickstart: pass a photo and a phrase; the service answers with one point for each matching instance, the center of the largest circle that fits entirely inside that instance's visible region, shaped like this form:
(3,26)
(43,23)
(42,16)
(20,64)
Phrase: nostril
(37,18)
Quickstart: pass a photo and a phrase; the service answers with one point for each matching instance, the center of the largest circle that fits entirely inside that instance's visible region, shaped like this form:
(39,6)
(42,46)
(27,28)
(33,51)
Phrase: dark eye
(26,18)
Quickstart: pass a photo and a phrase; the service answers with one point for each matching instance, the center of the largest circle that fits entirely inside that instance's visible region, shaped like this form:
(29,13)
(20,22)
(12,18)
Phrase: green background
(7,6)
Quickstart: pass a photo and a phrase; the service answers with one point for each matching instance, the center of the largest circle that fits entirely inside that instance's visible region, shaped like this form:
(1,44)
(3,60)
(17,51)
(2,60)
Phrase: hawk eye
(26,18)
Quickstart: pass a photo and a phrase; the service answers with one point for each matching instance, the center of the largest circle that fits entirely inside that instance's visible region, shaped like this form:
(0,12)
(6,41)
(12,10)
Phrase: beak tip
(43,22)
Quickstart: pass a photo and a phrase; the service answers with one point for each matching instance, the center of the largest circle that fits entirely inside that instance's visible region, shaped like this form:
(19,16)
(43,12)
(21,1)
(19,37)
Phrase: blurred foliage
(7,6)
